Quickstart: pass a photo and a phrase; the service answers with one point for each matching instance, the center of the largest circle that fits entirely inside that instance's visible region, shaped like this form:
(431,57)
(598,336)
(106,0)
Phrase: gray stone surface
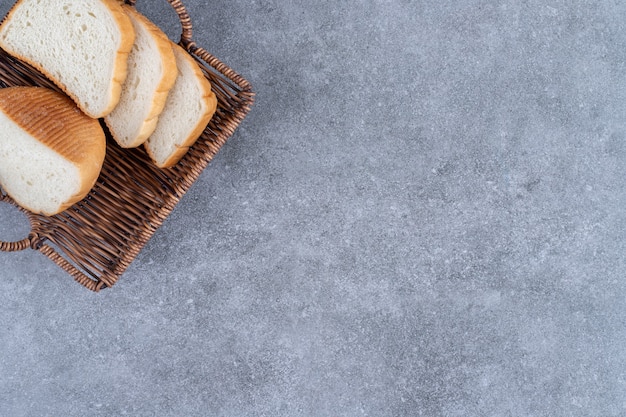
(423,215)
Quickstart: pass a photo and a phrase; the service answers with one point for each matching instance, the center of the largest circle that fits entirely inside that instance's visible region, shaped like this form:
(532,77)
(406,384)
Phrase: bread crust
(55,121)
(127,33)
(127,38)
(211,102)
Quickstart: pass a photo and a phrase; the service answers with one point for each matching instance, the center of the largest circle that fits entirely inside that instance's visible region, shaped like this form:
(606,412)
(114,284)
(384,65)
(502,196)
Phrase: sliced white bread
(189,107)
(151,75)
(82,46)
(51,153)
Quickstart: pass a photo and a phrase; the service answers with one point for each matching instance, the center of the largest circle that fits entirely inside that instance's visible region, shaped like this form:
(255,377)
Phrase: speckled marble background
(423,215)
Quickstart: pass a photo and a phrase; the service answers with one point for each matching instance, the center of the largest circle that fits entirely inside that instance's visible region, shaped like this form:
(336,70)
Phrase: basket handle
(14,246)
(186,41)
(33,241)
(185,21)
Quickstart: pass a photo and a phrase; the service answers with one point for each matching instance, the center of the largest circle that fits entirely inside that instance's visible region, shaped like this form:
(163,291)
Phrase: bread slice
(189,107)
(51,153)
(82,46)
(151,75)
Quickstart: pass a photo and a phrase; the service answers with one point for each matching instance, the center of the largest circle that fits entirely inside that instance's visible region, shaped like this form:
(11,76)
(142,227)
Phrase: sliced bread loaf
(151,75)
(82,46)
(51,153)
(188,109)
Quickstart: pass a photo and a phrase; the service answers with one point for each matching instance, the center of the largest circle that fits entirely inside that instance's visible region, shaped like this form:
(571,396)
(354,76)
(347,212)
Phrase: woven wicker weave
(96,239)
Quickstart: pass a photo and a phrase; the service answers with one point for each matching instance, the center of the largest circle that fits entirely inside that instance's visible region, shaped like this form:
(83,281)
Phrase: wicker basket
(96,239)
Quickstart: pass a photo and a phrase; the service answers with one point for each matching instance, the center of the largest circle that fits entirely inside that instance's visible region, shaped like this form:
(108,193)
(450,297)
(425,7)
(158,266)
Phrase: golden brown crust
(211,102)
(127,33)
(56,121)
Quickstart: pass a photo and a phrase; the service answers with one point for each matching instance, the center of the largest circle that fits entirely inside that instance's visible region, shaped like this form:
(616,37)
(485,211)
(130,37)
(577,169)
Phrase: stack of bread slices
(114,64)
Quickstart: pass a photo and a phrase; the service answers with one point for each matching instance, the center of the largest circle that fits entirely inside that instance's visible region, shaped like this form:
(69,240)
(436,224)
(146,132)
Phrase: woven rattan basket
(96,239)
